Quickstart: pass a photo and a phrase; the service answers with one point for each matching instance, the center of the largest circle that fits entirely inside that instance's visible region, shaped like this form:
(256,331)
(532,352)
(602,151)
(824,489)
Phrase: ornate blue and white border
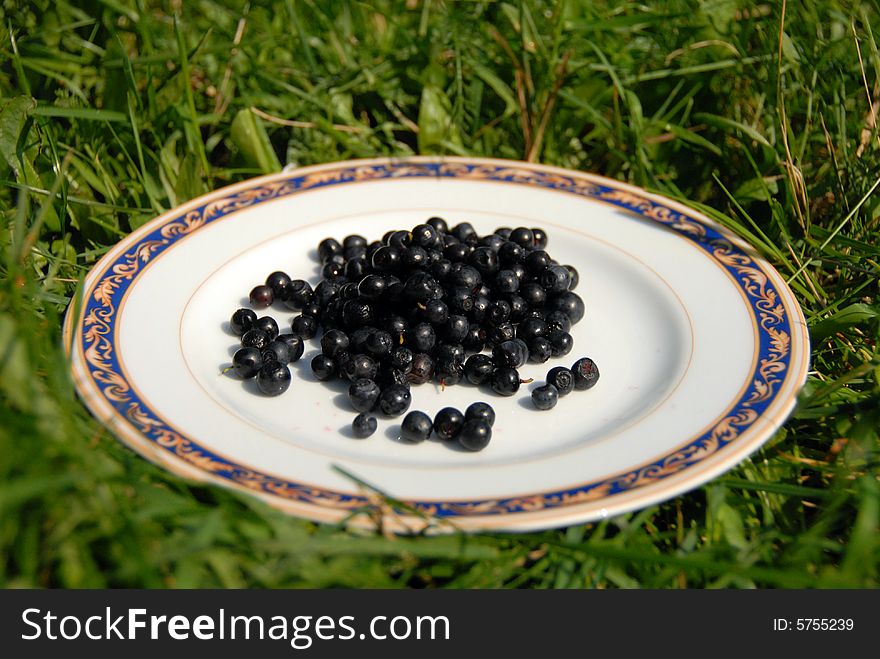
(94,329)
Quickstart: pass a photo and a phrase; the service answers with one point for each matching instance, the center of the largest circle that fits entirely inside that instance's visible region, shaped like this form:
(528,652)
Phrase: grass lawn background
(762,115)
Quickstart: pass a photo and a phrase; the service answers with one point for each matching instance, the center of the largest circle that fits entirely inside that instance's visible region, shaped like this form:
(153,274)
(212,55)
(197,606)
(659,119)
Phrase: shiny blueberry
(323,367)
(586,373)
(241,321)
(246,362)
(561,378)
(363,426)
(448,423)
(545,397)
(505,381)
(261,296)
(255,338)
(480,410)
(395,400)
(363,394)
(475,435)
(273,378)
(415,427)
(295,344)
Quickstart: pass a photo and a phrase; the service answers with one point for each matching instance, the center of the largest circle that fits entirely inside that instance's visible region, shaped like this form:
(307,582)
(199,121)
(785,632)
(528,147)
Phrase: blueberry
(557,320)
(416,427)
(323,367)
(573,277)
(278,281)
(268,325)
(540,350)
(246,362)
(379,344)
(506,281)
(363,426)
(422,337)
(438,224)
(536,261)
(360,366)
(510,253)
(555,279)
(561,378)
(304,326)
(354,241)
(455,328)
(363,394)
(436,312)
(295,345)
(475,435)
(523,237)
(279,351)
(534,294)
(372,287)
(478,369)
(402,359)
(475,339)
(241,321)
(386,259)
(448,423)
(480,410)
(586,374)
(357,313)
(513,353)
(505,381)
(255,338)
(449,371)
(298,294)
(485,260)
(539,238)
(561,342)
(395,400)
(570,304)
(333,342)
(422,369)
(273,379)
(545,397)
(261,296)
(327,248)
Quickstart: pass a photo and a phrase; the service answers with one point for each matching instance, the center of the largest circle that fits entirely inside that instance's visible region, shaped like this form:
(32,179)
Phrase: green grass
(114,110)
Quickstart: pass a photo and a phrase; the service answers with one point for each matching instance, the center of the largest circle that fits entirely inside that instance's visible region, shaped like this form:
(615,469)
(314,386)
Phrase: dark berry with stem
(586,373)
(268,325)
(255,338)
(448,423)
(273,379)
(545,397)
(449,371)
(295,344)
(415,427)
(475,435)
(561,378)
(242,320)
(505,381)
(323,367)
(480,410)
(395,400)
(304,326)
(363,394)
(246,362)
(261,296)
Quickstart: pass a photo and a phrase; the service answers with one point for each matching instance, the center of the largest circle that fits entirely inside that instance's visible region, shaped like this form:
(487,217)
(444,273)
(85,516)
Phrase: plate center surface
(636,329)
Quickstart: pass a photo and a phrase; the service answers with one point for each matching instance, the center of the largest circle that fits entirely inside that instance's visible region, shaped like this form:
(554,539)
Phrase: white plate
(701,345)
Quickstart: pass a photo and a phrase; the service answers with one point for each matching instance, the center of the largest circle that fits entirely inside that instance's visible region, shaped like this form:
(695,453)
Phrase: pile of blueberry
(420,305)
